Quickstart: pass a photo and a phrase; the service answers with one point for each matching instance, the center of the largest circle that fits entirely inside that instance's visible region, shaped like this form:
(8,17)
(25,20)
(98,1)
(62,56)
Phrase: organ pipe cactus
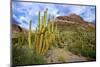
(41,35)
(39,21)
(52,24)
(45,35)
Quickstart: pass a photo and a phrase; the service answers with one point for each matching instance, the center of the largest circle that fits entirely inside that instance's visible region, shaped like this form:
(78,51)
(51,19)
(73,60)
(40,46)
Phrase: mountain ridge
(72,19)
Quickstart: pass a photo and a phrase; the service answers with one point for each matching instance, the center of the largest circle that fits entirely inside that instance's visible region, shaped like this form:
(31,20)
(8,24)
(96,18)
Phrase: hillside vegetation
(68,34)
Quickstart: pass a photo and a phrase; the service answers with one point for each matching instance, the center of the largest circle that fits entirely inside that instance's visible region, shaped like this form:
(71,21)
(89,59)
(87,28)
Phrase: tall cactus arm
(56,28)
(45,17)
(42,25)
(53,24)
(47,44)
(48,26)
(39,20)
(29,35)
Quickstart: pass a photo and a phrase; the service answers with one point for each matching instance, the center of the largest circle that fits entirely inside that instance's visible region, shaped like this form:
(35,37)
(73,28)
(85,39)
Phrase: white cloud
(26,19)
(77,9)
(30,11)
(16,18)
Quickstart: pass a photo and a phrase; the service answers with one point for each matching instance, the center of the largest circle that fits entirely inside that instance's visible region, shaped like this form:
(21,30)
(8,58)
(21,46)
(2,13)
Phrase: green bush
(80,40)
(24,56)
(83,43)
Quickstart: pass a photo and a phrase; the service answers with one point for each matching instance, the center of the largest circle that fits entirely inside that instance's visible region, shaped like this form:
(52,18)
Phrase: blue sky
(22,12)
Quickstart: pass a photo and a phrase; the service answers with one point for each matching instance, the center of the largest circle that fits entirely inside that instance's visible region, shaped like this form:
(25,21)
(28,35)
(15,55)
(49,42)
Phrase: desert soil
(59,55)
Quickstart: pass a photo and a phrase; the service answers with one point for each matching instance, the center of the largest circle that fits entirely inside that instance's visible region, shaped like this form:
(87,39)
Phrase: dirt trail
(59,55)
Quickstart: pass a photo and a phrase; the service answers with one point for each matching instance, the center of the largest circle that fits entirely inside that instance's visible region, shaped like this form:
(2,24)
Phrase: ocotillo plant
(45,34)
(29,34)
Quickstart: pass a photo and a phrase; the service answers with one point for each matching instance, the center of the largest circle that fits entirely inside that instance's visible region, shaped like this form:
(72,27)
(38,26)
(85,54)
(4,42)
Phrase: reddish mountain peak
(72,17)
(75,16)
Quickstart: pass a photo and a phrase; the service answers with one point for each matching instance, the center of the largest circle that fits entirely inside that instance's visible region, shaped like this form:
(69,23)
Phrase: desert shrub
(24,56)
(80,40)
(20,39)
(21,54)
(61,59)
(83,43)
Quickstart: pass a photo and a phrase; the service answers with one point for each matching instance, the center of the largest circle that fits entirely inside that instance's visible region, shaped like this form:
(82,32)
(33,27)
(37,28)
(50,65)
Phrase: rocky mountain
(16,28)
(72,19)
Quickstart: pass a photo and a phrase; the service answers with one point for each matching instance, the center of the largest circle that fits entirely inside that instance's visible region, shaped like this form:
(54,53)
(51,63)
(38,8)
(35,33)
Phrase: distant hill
(16,28)
(72,20)
(72,17)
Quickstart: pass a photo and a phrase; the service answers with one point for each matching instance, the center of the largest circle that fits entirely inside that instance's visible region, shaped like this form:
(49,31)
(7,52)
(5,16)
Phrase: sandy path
(59,55)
